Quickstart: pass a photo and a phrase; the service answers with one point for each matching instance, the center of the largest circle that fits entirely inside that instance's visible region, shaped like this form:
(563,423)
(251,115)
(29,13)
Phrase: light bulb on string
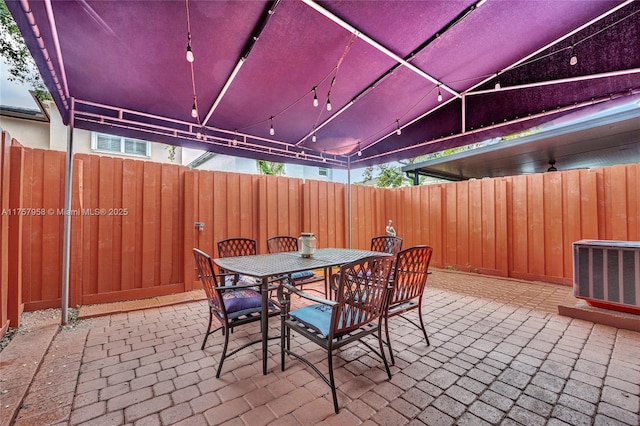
(194,110)
(439,94)
(328,104)
(272,131)
(497,86)
(189,51)
(398,130)
(235,137)
(315,97)
(314,138)
(359,150)
(574,58)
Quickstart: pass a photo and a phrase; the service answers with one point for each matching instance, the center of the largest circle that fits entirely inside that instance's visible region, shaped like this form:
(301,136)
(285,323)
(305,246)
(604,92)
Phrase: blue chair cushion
(302,274)
(317,317)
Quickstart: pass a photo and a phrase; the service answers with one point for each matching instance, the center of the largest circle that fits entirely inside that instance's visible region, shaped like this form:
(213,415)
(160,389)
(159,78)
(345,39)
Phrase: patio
(500,354)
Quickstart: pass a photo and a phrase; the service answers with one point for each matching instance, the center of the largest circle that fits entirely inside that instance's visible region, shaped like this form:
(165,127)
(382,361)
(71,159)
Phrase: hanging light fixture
(328,103)
(573,60)
(439,94)
(398,130)
(315,97)
(497,86)
(314,138)
(189,51)
(272,131)
(359,150)
(194,110)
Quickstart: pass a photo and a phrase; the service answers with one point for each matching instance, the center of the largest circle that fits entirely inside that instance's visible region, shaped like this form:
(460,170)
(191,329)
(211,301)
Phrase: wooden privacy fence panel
(133,222)
(131,225)
(548,212)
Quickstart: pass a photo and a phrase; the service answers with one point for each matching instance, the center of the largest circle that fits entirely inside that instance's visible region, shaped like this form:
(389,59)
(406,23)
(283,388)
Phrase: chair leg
(386,332)
(224,354)
(384,358)
(332,382)
(424,330)
(283,340)
(208,331)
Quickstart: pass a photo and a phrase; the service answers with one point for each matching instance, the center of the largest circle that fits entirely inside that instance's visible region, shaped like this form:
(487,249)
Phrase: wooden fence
(133,222)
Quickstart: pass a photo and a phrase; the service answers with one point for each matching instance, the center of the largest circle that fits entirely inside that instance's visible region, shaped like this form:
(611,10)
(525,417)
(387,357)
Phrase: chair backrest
(362,293)
(282,243)
(237,247)
(386,244)
(207,275)
(410,273)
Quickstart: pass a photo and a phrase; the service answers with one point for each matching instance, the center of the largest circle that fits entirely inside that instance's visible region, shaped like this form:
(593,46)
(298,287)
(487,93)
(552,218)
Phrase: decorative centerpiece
(307,244)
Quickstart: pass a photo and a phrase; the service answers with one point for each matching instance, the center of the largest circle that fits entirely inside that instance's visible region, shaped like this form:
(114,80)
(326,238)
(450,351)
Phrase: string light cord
(193,76)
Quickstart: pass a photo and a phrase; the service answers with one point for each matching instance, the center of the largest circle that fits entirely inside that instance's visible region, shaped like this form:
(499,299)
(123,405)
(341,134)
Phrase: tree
(388,175)
(16,55)
(270,168)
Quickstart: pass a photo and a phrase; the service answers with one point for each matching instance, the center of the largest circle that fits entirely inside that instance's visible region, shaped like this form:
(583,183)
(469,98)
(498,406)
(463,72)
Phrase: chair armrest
(308,296)
(235,287)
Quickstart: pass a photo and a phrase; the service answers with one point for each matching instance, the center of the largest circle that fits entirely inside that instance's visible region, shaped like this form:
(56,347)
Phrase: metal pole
(349,200)
(66,244)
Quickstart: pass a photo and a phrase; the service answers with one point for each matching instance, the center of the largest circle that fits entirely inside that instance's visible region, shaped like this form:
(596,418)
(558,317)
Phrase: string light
(439,94)
(359,150)
(315,97)
(314,138)
(272,131)
(574,58)
(328,103)
(194,110)
(398,130)
(189,51)
(497,86)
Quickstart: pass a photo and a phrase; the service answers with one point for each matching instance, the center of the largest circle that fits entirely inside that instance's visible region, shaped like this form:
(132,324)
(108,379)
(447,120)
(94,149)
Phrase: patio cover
(403,78)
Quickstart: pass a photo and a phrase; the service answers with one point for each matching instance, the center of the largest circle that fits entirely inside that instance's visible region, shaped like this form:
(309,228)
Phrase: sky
(14,94)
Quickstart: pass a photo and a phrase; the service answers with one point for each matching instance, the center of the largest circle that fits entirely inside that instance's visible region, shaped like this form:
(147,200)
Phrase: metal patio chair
(409,278)
(285,243)
(238,247)
(361,301)
(386,244)
(231,302)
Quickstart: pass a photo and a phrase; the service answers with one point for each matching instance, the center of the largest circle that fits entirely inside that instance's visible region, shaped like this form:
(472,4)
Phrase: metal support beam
(66,237)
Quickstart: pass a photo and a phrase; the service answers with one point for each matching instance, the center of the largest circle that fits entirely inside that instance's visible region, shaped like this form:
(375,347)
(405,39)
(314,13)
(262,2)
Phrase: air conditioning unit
(607,274)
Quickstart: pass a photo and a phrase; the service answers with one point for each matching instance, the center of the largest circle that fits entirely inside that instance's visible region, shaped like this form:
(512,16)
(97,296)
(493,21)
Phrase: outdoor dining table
(266,266)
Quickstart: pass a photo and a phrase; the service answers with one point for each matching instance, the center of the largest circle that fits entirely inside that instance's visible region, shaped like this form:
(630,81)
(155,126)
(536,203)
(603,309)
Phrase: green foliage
(270,168)
(388,175)
(172,152)
(14,52)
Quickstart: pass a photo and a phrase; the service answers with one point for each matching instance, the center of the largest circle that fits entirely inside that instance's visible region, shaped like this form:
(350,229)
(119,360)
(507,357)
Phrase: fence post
(4,230)
(16,192)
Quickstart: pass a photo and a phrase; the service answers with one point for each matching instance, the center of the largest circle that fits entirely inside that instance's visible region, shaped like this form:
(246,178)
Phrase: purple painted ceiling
(120,68)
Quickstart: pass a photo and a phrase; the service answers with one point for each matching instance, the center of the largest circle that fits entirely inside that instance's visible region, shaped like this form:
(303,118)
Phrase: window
(116,144)
(323,171)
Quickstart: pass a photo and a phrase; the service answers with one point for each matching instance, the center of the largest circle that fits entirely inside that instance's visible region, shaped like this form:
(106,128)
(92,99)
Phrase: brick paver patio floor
(499,354)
